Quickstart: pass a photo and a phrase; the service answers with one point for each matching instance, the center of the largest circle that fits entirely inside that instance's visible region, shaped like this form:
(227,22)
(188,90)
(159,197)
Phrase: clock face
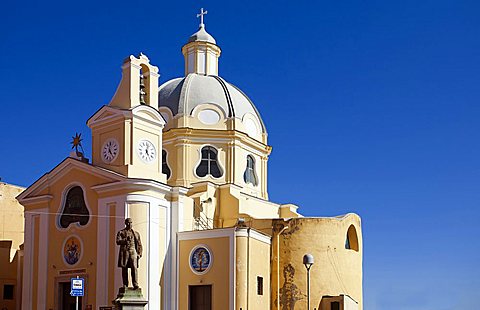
(110,150)
(146,151)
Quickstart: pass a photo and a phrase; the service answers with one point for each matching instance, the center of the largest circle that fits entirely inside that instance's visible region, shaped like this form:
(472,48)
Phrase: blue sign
(77,287)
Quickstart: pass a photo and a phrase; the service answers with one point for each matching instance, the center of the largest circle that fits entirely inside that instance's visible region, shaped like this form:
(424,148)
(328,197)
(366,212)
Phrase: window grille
(209,163)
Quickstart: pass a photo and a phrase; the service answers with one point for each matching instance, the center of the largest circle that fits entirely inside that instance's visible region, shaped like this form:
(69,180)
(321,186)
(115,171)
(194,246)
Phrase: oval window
(209,117)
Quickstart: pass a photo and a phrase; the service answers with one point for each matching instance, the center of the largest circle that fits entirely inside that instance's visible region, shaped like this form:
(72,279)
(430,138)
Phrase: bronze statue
(129,253)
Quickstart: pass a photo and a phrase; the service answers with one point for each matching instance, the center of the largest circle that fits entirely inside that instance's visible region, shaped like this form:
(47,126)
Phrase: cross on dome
(202,12)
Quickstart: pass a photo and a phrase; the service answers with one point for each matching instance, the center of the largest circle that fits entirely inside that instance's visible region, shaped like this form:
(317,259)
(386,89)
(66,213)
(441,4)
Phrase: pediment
(105,114)
(148,114)
(39,191)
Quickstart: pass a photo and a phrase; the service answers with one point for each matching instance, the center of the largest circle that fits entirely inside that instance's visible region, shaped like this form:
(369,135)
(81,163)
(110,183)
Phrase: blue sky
(371,107)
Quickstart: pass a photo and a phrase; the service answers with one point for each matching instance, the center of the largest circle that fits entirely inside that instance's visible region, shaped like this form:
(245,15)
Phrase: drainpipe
(278,266)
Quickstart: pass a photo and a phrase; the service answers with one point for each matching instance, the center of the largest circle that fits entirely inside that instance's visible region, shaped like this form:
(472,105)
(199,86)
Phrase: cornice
(133,185)
(63,168)
(226,136)
(35,200)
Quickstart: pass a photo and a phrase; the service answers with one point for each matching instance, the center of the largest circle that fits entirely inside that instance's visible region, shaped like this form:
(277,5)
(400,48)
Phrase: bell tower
(139,84)
(127,133)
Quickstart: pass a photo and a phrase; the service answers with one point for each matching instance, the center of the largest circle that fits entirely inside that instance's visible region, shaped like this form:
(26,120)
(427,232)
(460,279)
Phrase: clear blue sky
(371,107)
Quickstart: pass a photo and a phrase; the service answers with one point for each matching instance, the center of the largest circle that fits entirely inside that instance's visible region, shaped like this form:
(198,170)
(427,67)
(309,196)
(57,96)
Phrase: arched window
(144,90)
(209,163)
(351,242)
(75,210)
(249,176)
(165,168)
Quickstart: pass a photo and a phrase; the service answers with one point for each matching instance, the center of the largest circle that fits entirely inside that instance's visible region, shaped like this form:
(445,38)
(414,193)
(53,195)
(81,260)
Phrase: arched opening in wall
(250,176)
(351,242)
(144,85)
(209,163)
(74,209)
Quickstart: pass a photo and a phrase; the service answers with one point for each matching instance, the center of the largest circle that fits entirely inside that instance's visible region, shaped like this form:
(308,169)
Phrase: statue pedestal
(129,299)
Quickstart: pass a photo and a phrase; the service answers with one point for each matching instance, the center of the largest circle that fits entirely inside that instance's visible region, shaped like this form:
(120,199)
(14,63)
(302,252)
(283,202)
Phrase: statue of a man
(130,252)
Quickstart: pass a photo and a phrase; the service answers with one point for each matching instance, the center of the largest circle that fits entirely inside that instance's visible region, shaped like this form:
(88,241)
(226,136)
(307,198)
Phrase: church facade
(187,161)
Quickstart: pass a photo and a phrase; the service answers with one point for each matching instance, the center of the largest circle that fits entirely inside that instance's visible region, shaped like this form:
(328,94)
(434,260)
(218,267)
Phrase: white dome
(183,95)
(201,36)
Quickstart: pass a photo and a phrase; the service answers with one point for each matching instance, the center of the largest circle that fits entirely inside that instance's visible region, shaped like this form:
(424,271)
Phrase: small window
(250,176)
(165,168)
(335,305)
(209,163)
(351,241)
(259,285)
(8,292)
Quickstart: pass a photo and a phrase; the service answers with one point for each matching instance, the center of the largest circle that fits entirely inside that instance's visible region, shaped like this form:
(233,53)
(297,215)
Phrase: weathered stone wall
(337,270)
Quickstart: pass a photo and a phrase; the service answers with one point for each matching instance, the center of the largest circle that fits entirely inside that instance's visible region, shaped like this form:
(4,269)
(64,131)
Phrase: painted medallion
(72,250)
(200,259)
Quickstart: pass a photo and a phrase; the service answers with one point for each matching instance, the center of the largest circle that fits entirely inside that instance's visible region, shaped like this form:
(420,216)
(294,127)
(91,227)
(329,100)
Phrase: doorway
(200,297)
(65,301)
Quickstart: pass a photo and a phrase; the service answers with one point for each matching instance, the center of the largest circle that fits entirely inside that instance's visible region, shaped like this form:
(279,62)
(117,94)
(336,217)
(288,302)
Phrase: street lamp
(308,262)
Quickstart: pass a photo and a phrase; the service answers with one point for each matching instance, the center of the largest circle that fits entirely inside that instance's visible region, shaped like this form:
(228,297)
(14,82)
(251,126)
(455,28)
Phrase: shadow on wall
(289,292)
(9,293)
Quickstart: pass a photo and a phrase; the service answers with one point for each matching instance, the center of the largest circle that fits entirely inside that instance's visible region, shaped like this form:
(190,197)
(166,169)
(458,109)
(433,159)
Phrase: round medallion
(200,259)
(146,150)
(110,150)
(72,250)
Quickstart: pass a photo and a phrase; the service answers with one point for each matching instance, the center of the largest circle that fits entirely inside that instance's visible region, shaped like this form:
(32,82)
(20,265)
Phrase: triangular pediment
(107,113)
(40,189)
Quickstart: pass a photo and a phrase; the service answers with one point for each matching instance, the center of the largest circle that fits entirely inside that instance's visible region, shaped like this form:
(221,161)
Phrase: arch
(209,106)
(251,124)
(148,113)
(74,208)
(144,90)
(250,175)
(209,164)
(166,113)
(351,241)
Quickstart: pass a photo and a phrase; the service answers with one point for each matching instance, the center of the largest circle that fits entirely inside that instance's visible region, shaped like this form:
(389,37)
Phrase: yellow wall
(183,146)
(58,270)
(11,239)
(336,270)
(252,261)
(11,216)
(236,252)
(218,276)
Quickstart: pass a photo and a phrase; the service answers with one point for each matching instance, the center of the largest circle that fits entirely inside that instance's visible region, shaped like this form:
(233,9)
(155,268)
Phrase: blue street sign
(77,287)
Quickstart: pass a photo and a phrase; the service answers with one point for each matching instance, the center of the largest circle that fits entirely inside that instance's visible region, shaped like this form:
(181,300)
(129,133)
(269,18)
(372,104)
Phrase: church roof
(183,95)
(201,36)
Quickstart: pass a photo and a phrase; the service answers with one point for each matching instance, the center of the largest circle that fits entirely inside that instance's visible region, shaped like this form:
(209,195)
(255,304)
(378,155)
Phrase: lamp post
(308,262)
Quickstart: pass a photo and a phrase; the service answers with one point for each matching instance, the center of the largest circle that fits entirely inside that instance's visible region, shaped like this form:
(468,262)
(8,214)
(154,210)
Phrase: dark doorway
(200,297)
(335,305)
(67,302)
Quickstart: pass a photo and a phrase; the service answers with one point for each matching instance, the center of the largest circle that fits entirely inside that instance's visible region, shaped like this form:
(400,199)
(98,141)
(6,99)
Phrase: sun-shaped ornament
(77,143)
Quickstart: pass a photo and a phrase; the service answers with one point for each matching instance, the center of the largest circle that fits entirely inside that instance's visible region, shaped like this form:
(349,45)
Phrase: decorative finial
(202,12)
(77,142)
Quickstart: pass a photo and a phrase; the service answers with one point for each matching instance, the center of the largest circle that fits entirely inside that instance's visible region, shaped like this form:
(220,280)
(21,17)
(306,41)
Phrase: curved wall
(336,271)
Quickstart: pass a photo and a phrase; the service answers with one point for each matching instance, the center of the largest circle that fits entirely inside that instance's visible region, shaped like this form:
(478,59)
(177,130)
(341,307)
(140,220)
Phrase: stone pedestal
(129,299)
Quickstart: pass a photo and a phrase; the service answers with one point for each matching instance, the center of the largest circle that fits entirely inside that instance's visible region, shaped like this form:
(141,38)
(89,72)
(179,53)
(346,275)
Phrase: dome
(183,95)
(201,36)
